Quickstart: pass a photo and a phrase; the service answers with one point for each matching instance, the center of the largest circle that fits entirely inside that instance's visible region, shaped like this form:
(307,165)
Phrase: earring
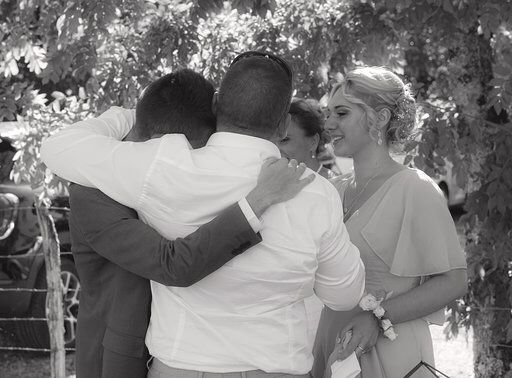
(379,138)
(313,156)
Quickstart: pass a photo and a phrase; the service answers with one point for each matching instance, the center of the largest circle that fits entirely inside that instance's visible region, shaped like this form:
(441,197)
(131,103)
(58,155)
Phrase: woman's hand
(365,332)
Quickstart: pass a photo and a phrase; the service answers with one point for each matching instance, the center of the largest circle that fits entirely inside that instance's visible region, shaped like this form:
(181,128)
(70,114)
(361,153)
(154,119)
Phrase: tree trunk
(490,299)
(469,66)
(492,355)
(54,309)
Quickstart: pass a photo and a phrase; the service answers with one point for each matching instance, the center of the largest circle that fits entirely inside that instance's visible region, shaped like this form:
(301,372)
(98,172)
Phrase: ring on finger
(361,349)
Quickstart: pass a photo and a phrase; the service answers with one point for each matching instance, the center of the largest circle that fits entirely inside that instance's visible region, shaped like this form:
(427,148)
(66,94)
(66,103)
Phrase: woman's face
(296,145)
(346,125)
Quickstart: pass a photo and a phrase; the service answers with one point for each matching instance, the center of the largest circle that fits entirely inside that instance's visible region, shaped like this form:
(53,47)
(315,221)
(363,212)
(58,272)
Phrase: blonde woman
(399,220)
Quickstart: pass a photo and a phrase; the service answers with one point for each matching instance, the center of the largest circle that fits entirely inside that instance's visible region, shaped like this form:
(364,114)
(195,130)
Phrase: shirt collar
(265,147)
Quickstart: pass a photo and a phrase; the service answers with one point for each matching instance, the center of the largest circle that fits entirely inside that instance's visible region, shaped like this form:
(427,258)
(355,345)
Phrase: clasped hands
(358,336)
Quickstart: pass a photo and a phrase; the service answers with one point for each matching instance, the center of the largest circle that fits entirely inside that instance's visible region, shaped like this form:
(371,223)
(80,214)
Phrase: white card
(347,368)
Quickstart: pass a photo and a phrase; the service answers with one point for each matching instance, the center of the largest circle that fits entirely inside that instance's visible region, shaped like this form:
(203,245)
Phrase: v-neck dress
(404,233)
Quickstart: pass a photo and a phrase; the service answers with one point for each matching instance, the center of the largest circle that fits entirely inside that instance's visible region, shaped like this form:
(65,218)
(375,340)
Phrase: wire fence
(33,208)
(24,256)
(23,349)
(10,320)
(10,342)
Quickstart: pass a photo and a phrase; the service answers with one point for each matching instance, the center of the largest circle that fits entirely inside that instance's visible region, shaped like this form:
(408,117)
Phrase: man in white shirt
(248,317)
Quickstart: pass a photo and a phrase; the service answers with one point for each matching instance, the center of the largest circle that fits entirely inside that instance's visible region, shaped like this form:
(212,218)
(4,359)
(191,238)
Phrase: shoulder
(88,203)
(418,184)
(171,148)
(320,197)
(321,186)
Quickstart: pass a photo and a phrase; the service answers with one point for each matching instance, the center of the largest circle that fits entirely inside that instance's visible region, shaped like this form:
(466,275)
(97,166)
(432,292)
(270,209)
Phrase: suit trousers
(160,370)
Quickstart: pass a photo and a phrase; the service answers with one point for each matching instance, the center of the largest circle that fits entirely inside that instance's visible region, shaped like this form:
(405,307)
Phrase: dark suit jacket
(115,255)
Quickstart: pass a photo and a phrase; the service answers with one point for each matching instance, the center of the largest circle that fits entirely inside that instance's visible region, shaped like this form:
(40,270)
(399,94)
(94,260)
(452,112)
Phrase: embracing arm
(115,232)
(92,154)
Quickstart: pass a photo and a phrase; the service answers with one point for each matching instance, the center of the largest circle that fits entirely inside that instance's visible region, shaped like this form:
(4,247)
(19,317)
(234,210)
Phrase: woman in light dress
(399,220)
(306,139)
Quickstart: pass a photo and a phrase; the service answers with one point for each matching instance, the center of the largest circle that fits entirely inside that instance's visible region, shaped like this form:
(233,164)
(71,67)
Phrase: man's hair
(255,94)
(179,102)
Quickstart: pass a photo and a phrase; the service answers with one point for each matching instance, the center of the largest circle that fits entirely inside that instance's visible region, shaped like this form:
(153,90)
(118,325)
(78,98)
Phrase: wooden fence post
(54,308)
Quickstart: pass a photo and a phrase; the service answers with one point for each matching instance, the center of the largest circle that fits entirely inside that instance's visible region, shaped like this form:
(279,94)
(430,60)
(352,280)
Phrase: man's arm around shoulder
(115,232)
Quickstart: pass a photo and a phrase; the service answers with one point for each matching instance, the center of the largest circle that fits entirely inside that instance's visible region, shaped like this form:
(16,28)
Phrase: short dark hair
(255,94)
(180,102)
(308,115)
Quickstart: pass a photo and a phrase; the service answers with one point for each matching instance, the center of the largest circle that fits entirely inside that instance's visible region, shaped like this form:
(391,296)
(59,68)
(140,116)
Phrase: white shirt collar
(265,147)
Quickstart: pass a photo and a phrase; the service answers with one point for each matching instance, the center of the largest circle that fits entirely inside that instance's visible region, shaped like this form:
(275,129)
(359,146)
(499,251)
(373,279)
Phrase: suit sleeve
(115,232)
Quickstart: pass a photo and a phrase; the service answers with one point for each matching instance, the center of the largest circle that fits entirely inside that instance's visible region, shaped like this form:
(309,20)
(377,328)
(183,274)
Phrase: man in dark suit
(116,255)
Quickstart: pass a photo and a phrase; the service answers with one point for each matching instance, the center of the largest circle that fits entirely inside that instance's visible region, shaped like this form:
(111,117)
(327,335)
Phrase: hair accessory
(403,118)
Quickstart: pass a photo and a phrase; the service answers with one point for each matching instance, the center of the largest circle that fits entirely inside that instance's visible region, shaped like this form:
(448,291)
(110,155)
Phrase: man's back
(249,314)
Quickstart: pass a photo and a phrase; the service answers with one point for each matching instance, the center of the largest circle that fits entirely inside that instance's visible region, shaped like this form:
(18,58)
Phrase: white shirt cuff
(253,220)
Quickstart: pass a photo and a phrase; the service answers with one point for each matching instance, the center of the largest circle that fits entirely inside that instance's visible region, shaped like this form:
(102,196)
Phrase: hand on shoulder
(279,180)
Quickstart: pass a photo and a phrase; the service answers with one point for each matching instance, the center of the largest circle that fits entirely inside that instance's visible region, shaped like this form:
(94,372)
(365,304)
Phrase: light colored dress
(405,234)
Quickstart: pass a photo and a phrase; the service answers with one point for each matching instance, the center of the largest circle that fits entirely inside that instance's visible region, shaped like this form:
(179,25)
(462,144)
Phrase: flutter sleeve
(412,230)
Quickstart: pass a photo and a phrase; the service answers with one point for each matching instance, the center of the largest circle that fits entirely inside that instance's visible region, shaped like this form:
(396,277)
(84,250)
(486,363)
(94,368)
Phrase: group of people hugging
(204,221)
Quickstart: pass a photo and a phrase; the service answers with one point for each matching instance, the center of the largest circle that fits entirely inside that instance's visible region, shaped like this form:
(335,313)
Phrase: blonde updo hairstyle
(375,88)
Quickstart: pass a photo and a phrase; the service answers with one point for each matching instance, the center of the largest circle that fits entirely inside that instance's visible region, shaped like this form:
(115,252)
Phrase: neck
(133,136)
(229,128)
(368,162)
(313,164)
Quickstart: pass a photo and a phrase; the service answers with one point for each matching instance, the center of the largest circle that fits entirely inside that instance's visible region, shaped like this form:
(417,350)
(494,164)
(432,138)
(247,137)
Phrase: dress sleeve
(412,230)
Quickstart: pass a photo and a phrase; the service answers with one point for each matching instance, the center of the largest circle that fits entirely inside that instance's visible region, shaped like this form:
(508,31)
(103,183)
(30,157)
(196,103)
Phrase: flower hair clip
(403,118)
(370,302)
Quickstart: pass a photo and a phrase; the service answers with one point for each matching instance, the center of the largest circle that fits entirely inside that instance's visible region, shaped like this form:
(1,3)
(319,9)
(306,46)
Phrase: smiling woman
(391,213)
(346,123)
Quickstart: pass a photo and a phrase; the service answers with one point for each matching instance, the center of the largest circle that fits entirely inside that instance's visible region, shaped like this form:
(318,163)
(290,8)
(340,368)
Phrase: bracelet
(385,323)
(370,303)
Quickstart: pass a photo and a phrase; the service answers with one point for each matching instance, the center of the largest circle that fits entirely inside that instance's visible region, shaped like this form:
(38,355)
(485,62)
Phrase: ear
(315,140)
(215,100)
(383,117)
(284,124)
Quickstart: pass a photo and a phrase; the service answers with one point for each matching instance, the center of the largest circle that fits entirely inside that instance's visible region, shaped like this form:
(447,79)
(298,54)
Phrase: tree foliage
(64,60)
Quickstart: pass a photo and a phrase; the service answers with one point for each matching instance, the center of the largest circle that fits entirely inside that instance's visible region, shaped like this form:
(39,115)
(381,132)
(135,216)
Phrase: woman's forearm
(427,298)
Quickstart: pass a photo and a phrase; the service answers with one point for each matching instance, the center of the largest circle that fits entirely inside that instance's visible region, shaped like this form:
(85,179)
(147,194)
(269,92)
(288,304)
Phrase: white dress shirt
(249,314)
